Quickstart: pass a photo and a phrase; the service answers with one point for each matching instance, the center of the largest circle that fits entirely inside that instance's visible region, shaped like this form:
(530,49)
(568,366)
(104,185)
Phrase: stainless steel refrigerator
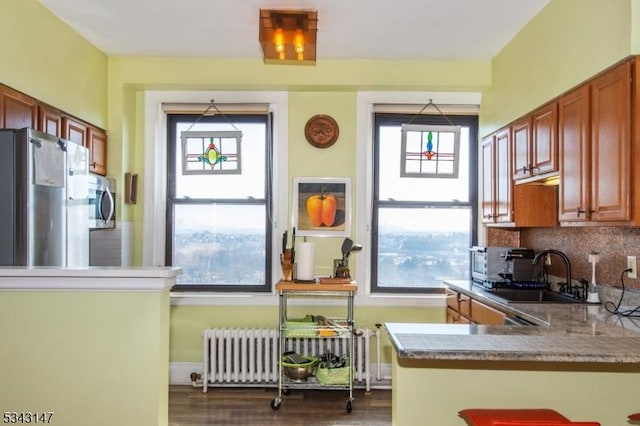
(43,200)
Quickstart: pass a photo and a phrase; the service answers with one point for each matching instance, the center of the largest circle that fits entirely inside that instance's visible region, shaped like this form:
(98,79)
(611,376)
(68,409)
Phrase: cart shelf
(341,328)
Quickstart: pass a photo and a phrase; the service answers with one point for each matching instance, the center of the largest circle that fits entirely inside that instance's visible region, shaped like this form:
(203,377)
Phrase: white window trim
(366,104)
(155,139)
(153,249)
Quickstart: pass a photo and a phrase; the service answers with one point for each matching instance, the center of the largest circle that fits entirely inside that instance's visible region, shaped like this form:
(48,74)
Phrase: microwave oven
(102,202)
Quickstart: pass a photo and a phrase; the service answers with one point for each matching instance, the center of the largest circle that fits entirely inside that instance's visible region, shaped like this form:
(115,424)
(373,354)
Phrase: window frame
(172,119)
(383,118)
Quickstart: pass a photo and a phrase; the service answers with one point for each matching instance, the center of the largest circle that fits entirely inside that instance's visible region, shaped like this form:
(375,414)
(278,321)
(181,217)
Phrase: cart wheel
(275,404)
(349,406)
(286,391)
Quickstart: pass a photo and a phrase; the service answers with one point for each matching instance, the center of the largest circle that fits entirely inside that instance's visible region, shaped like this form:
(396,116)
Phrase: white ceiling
(347,29)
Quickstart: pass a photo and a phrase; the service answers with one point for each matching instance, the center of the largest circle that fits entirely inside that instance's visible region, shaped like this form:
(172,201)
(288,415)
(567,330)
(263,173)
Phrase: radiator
(249,357)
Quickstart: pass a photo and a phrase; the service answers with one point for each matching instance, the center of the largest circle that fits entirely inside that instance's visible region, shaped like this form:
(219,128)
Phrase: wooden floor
(252,406)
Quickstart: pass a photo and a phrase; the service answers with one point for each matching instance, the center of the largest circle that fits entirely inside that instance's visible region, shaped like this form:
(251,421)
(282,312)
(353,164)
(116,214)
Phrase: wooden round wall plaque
(321,131)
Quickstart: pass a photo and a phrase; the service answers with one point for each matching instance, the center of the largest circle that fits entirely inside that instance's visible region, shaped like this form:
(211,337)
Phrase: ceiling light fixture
(288,36)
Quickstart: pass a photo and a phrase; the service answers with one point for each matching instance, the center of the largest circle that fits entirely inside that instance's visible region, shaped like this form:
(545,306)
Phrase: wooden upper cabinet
(496,177)
(74,130)
(503,184)
(505,204)
(535,147)
(97,144)
(611,145)
(574,140)
(544,140)
(17,110)
(595,149)
(49,120)
(522,148)
(488,180)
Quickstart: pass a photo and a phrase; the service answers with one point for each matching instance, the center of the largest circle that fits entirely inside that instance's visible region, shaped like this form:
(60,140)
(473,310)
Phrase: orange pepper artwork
(322,209)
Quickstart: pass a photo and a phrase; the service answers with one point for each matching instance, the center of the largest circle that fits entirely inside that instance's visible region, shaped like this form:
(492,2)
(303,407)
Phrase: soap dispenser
(592,295)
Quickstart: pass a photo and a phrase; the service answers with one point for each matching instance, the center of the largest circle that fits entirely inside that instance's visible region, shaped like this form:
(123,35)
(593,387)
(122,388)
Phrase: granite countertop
(564,333)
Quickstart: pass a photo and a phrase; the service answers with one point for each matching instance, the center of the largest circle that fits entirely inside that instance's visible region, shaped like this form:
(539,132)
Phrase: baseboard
(180,374)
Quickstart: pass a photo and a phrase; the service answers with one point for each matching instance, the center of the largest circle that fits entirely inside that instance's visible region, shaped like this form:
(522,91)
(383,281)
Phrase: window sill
(271,299)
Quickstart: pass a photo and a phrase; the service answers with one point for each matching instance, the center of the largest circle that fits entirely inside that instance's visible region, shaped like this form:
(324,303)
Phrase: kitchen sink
(531,296)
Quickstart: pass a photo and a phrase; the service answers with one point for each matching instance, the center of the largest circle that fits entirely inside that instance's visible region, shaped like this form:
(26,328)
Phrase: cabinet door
(488,180)
(544,145)
(17,110)
(521,148)
(453,317)
(483,314)
(74,130)
(49,120)
(611,144)
(503,176)
(97,144)
(574,137)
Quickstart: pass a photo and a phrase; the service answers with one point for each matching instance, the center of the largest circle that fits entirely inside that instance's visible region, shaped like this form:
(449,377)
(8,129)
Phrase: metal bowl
(300,372)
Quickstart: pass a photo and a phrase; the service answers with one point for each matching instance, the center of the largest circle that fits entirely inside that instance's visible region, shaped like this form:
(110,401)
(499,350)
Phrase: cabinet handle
(579,212)
(93,165)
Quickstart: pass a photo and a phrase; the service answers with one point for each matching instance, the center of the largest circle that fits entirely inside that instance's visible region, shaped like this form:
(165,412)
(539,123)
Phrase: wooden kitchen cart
(334,328)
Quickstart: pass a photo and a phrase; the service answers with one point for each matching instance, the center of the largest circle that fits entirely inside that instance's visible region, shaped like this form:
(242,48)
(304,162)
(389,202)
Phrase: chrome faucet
(567,265)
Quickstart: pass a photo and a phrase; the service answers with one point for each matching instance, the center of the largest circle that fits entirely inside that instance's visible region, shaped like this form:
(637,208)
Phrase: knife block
(287,266)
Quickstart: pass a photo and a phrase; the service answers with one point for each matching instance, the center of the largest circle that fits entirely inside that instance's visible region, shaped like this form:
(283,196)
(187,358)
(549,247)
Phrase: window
(218,223)
(422,225)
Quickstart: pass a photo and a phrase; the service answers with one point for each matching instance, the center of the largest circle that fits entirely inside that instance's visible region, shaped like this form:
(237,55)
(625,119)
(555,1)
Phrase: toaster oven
(489,265)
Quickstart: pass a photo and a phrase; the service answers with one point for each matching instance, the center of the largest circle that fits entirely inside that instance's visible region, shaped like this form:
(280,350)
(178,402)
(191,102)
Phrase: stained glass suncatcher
(430,151)
(211,152)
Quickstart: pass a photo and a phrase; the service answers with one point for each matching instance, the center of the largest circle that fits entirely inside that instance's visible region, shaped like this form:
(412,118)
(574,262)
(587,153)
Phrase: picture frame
(318,200)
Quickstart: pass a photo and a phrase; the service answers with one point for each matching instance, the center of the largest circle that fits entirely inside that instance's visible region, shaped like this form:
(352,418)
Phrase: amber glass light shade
(288,36)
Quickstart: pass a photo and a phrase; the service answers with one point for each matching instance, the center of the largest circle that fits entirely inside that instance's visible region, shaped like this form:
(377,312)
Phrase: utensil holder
(287,266)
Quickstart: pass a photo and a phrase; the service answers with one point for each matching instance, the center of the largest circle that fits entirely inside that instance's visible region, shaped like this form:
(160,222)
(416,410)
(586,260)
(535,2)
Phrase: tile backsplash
(112,247)
(613,245)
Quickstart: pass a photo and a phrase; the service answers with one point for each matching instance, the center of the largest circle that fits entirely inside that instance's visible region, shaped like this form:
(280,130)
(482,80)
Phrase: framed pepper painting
(322,206)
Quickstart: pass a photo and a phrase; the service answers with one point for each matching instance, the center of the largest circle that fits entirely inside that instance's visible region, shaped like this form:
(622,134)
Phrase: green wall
(433,392)
(188,322)
(91,357)
(44,58)
(565,44)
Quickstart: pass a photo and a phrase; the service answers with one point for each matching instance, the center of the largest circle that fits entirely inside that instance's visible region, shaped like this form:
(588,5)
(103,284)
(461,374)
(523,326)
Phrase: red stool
(518,417)
(634,418)
(541,423)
